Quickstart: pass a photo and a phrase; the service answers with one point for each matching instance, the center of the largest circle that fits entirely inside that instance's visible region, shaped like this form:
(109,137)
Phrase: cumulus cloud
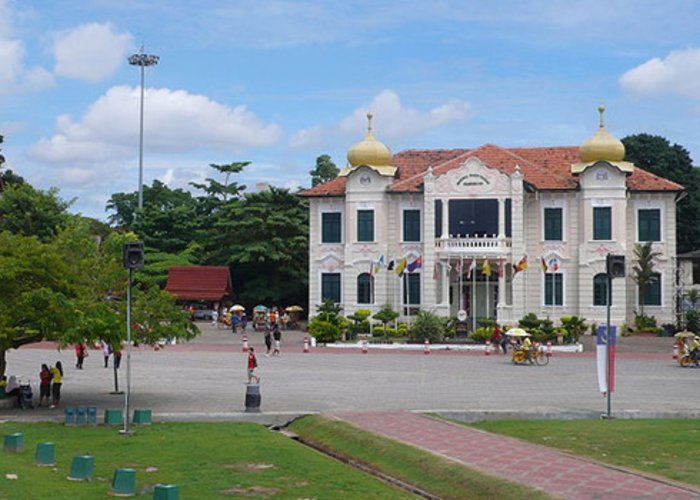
(395,120)
(175,121)
(392,119)
(678,73)
(90,52)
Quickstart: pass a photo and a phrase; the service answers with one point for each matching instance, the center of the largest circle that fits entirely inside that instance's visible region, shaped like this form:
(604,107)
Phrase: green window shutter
(652,291)
(602,223)
(600,289)
(330,227)
(365,225)
(553,224)
(649,221)
(364,289)
(555,280)
(330,286)
(411,225)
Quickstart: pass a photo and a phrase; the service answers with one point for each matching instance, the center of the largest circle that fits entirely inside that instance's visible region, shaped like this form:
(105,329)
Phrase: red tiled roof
(199,282)
(546,168)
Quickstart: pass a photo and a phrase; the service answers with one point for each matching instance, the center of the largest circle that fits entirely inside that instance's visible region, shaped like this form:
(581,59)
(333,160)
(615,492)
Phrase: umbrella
(294,309)
(237,307)
(517,332)
(260,308)
(684,334)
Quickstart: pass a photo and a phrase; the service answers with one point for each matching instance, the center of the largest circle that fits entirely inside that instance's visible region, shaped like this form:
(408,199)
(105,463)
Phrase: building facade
(492,232)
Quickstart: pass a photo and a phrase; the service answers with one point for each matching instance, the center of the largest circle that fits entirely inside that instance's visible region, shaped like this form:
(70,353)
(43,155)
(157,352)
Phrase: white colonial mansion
(461,220)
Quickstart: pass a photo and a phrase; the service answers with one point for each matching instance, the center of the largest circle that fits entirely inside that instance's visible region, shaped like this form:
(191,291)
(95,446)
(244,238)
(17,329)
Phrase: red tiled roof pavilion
(199,282)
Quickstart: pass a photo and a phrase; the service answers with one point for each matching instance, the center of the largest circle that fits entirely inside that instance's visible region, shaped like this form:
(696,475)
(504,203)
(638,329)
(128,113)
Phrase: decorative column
(501,218)
(445,219)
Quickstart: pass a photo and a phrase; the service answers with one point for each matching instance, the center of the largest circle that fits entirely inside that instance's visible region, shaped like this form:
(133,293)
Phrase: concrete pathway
(556,473)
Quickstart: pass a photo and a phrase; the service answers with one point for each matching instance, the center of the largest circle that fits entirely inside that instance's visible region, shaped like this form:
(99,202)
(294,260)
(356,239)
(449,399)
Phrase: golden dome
(602,146)
(369,151)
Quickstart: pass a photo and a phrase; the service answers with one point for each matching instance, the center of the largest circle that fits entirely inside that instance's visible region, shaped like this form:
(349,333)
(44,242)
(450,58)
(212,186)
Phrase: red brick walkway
(556,473)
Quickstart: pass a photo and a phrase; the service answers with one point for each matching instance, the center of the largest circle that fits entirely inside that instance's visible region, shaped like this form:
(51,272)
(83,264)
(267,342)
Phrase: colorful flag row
(399,266)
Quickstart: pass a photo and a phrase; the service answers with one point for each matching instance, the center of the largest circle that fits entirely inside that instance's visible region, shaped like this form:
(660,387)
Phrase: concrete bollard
(69,415)
(426,346)
(166,492)
(81,415)
(142,417)
(675,351)
(549,348)
(306,344)
(82,468)
(45,455)
(92,415)
(244,348)
(123,483)
(252,398)
(487,350)
(364,346)
(14,443)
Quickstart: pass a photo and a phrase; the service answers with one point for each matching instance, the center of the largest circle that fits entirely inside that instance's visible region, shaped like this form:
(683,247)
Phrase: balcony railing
(483,244)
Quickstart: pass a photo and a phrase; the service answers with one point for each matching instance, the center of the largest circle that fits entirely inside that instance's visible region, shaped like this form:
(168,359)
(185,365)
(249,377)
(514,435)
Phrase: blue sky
(280,82)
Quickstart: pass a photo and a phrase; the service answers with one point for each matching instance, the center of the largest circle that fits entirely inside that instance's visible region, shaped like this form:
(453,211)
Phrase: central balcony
(487,245)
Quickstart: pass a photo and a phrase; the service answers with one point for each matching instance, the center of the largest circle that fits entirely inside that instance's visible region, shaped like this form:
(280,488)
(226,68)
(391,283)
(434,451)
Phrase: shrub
(481,334)
(359,327)
(427,325)
(692,321)
(541,330)
(486,323)
(644,322)
(573,327)
(324,331)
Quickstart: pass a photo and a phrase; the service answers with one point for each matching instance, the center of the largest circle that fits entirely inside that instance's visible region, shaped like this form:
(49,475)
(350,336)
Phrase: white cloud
(175,121)
(394,120)
(90,52)
(307,137)
(678,73)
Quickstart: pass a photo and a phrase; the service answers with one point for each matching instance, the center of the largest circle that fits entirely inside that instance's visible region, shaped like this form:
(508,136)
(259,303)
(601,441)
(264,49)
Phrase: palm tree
(643,271)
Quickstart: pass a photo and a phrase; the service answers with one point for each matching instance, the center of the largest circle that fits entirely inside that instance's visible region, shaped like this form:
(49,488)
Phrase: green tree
(32,212)
(386,315)
(325,170)
(643,271)
(218,194)
(657,155)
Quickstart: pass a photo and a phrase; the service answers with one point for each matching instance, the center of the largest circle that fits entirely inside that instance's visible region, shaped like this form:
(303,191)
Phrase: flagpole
(473,304)
(461,287)
(488,297)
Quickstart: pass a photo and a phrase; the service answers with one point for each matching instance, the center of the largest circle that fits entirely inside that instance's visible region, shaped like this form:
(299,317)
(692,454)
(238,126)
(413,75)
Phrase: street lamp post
(142,60)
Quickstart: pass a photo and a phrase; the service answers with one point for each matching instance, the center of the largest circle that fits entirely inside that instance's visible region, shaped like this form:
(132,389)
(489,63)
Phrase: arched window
(364,288)
(600,289)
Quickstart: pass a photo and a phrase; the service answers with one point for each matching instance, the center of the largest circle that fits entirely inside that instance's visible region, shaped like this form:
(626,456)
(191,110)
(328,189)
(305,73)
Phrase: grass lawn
(206,460)
(669,448)
(438,476)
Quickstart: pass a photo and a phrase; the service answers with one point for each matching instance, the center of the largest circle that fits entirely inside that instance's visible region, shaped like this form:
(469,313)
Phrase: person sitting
(695,349)
(527,347)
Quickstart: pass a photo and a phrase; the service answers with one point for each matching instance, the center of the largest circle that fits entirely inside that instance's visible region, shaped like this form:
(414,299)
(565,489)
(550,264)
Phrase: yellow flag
(486,268)
(401,266)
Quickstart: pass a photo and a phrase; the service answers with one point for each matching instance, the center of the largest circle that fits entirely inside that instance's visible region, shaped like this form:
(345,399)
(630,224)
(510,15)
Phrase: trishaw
(685,358)
(537,355)
(259,317)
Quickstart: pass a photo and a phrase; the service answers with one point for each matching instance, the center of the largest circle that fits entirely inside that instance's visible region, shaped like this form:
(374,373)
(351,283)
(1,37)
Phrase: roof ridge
(422,174)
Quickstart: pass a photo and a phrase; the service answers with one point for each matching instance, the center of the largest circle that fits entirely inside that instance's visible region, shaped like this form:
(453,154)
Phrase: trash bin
(252,398)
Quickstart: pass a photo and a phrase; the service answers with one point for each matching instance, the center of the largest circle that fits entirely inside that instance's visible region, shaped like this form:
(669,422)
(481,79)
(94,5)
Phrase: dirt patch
(248,467)
(253,491)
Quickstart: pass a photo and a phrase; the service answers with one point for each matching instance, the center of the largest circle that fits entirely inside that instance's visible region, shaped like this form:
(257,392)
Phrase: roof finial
(601,110)
(369,122)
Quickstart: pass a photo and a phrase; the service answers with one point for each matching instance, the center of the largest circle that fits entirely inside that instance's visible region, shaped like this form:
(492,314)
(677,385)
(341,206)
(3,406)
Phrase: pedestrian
(498,339)
(268,340)
(277,335)
(106,351)
(214,317)
(234,323)
(45,384)
(57,383)
(117,349)
(80,354)
(252,365)
(244,322)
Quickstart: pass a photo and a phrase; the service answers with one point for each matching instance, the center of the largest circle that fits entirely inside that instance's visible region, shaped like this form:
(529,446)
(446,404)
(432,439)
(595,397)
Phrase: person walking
(277,336)
(106,351)
(117,350)
(244,322)
(268,340)
(234,322)
(57,379)
(252,365)
(80,354)
(45,384)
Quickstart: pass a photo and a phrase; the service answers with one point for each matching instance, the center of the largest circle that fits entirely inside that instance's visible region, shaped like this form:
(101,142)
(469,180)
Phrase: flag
(501,269)
(543,264)
(379,265)
(416,264)
(602,342)
(472,266)
(390,266)
(521,265)
(401,266)
(486,268)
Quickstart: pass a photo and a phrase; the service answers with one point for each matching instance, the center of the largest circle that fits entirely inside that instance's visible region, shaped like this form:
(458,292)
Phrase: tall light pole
(142,60)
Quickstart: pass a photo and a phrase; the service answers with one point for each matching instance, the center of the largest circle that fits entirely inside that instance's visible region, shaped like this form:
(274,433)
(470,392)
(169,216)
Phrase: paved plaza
(206,380)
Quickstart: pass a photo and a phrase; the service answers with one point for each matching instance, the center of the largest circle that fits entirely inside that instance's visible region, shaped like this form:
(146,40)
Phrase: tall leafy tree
(657,155)
(264,239)
(32,212)
(325,170)
(218,193)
